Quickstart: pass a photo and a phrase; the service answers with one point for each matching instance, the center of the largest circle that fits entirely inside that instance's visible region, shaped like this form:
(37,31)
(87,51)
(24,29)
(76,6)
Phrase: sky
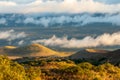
(59,6)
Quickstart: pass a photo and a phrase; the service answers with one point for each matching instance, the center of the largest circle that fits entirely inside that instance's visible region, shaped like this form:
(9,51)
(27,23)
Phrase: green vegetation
(10,70)
(55,69)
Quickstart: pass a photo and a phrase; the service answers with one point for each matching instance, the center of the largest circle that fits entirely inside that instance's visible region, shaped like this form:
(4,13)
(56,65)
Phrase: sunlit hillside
(30,50)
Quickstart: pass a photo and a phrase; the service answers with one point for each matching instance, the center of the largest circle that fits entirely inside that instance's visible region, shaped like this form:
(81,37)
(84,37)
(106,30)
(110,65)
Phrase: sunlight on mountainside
(40,50)
(96,51)
(32,50)
(10,47)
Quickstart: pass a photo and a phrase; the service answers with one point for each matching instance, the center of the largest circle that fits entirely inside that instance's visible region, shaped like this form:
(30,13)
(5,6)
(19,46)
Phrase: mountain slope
(30,50)
(114,57)
(88,54)
(98,56)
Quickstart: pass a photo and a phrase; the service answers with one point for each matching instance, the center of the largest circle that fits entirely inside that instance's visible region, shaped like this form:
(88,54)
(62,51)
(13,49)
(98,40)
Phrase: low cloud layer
(54,20)
(103,40)
(82,19)
(12,35)
(59,6)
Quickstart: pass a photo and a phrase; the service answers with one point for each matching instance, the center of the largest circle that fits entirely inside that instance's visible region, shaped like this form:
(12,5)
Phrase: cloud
(8,7)
(3,21)
(114,19)
(11,35)
(82,19)
(7,3)
(61,6)
(21,42)
(67,6)
(103,40)
(29,20)
(49,20)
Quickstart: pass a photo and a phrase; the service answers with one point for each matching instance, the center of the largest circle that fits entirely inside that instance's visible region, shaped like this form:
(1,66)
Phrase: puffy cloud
(11,35)
(103,40)
(47,20)
(114,19)
(76,19)
(29,20)
(21,42)
(3,21)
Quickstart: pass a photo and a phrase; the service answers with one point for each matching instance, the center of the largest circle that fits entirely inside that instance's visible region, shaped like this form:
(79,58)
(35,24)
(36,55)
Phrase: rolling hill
(88,54)
(26,51)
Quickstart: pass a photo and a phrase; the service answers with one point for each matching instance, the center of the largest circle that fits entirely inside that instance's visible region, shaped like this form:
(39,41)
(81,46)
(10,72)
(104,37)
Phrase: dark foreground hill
(89,54)
(113,57)
(97,56)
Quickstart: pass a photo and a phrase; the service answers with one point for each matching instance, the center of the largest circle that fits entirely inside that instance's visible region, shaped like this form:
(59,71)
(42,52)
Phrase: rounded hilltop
(31,50)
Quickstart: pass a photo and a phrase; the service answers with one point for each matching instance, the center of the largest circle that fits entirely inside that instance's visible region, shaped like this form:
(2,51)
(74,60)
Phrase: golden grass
(95,51)
(10,47)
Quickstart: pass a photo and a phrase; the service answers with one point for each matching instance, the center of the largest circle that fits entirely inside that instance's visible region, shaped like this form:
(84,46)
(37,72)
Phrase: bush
(13,71)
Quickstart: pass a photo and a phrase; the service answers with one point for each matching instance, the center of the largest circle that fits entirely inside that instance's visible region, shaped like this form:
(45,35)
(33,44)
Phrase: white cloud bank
(76,19)
(103,40)
(12,35)
(69,6)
